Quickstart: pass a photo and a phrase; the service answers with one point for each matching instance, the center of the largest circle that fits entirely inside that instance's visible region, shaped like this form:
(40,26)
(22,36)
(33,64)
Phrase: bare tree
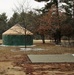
(22,8)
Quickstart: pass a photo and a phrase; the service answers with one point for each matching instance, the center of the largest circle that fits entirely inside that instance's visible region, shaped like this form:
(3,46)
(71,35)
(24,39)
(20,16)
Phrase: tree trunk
(59,40)
(73,10)
(57,36)
(58,32)
(43,38)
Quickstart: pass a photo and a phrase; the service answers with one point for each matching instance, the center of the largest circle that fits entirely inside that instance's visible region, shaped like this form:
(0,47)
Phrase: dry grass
(48,48)
(8,55)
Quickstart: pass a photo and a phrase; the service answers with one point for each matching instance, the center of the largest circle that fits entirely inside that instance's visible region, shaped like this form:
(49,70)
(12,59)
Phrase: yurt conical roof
(17,30)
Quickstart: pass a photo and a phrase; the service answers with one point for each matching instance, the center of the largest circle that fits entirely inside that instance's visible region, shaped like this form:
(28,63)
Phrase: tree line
(48,23)
(58,24)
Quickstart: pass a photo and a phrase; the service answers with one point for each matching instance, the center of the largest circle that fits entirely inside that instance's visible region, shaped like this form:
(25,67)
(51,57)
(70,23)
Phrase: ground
(13,61)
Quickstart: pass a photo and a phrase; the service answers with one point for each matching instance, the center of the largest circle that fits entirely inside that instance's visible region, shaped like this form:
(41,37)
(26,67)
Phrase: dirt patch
(46,69)
(6,68)
(17,62)
(21,65)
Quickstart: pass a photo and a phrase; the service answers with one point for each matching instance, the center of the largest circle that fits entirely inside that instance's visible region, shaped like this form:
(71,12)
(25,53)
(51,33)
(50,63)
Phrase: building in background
(17,35)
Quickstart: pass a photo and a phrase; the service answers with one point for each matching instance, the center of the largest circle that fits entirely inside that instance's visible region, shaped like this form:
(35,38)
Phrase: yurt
(17,35)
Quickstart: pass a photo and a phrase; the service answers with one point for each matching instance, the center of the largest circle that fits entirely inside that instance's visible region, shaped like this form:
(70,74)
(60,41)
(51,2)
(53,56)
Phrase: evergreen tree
(3,23)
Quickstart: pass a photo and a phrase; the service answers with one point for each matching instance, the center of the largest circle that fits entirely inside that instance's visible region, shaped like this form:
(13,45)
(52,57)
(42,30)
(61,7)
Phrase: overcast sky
(7,6)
